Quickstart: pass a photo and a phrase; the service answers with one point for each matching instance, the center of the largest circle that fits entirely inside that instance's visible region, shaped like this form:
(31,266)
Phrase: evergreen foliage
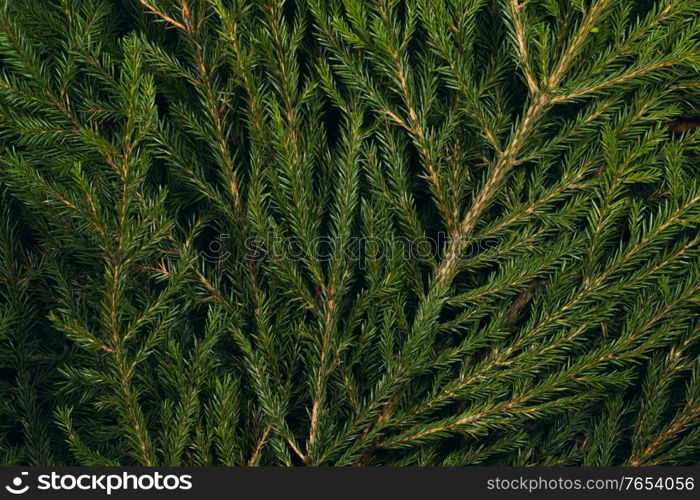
(349,232)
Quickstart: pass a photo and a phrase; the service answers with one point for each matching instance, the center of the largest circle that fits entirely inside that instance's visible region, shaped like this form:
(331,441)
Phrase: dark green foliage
(387,232)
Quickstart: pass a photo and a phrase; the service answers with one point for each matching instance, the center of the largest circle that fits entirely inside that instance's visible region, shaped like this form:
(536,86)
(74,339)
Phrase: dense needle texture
(349,232)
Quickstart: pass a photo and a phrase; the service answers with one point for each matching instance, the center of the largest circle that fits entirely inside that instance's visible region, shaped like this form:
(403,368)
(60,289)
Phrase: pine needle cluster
(349,232)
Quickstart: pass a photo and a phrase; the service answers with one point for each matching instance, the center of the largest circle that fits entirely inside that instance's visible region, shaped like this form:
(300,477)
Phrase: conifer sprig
(387,232)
